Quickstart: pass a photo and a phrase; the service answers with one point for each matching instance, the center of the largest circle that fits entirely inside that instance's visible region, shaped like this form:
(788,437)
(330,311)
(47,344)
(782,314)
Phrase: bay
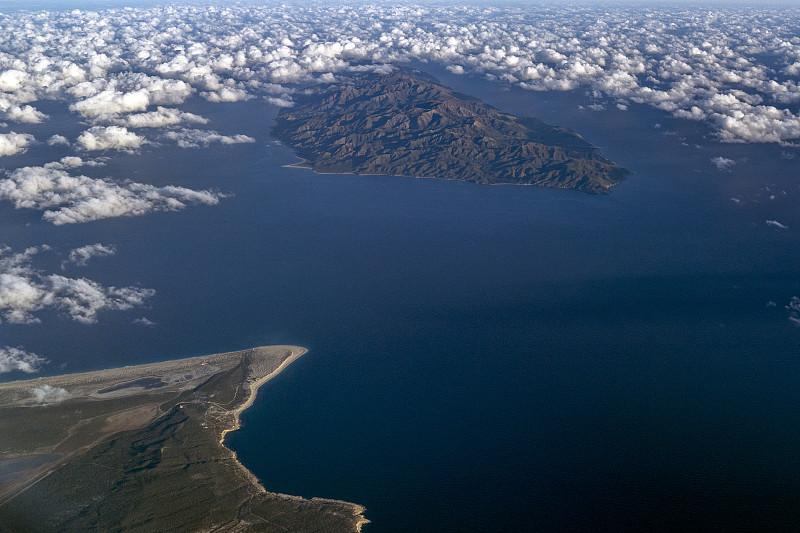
(481,358)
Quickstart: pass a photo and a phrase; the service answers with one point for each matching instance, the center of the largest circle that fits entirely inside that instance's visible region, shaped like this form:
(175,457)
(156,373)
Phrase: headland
(141,448)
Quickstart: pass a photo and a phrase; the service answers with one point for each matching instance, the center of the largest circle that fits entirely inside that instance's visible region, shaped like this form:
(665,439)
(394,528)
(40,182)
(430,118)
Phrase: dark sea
(481,358)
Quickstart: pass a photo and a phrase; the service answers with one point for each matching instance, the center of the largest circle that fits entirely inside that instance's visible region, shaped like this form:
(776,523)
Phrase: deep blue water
(481,358)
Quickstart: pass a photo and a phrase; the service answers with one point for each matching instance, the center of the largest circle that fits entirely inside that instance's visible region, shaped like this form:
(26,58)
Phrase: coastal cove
(480,358)
(120,435)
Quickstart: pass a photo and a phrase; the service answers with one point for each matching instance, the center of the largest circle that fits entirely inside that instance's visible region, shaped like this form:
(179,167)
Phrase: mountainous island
(407,124)
(141,448)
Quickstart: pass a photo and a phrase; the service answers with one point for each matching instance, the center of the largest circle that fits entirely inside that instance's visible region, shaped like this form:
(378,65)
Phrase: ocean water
(481,358)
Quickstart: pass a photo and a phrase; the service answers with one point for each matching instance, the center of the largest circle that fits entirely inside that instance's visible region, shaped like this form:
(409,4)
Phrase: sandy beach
(199,399)
(296,352)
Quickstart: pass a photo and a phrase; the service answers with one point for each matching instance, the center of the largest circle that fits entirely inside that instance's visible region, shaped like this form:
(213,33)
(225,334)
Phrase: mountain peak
(407,124)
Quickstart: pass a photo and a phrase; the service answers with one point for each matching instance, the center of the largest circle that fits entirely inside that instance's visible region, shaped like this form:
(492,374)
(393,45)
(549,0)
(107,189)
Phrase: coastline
(150,403)
(306,165)
(295,353)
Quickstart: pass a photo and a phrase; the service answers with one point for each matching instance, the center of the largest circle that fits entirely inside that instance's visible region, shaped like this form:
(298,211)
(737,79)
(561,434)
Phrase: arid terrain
(407,124)
(141,448)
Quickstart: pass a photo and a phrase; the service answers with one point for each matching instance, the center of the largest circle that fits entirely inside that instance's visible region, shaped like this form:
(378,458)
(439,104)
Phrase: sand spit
(295,353)
(119,435)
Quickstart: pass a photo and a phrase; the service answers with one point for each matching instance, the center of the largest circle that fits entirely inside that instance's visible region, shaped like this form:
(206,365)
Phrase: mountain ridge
(406,124)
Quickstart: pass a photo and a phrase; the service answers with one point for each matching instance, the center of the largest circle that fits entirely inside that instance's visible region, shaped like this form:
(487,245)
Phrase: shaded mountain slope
(406,124)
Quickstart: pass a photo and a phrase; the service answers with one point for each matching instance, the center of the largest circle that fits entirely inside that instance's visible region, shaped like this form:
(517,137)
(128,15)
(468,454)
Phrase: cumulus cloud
(159,118)
(82,299)
(14,143)
(18,359)
(20,293)
(723,163)
(67,199)
(55,140)
(226,94)
(81,256)
(11,80)
(72,161)
(125,92)
(737,74)
(109,138)
(48,395)
(279,101)
(194,138)
(112,102)
(26,290)
(25,113)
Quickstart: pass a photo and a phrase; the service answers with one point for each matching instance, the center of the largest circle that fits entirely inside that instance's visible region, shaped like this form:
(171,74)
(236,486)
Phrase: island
(406,124)
(141,448)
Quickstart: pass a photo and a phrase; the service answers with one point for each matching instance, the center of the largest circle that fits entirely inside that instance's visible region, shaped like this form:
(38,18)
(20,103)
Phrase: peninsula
(141,448)
(407,124)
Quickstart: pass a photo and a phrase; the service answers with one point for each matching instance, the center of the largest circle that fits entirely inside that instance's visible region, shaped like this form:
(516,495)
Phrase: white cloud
(159,118)
(48,395)
(17,359)
(72,161)
(112,102)
(127,93)
(109,138)
(776,224)
(12,80)
(81,256)
(226,94)
(19,294)
(194,138)
(142,321)
(25,113)
(55,140)
(14,143)
(82,299)
(68,199)
(794,310)
(280,102)
(66,162)
(25,290)
(111,63)
(723,163)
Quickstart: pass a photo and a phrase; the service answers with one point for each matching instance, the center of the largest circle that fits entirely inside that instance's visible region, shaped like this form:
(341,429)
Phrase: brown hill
(406,124)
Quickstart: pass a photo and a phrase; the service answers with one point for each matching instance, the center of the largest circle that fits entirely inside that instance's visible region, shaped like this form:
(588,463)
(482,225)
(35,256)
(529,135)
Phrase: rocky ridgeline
(406,124)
